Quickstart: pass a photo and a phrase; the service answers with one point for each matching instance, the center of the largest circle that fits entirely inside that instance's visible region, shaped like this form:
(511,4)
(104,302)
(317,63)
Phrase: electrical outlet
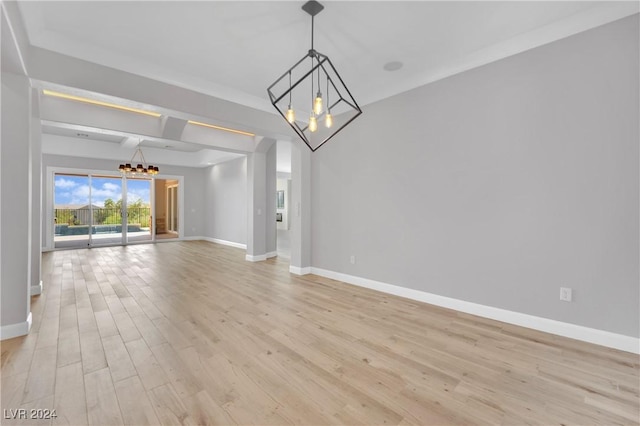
(565,294)
(352,259)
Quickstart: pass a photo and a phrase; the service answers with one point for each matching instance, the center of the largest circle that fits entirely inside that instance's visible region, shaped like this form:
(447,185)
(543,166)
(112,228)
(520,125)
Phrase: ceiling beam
(172,127)
(77,147)
(130,142)
(54,69)
(100,117)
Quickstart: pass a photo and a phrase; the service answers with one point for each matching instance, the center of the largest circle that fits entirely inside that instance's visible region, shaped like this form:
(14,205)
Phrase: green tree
(101,216)
(114,211)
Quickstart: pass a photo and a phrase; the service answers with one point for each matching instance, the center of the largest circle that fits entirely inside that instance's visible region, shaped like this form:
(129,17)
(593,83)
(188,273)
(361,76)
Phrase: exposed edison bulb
(328,119)
(317,103)
(313,123)
(291,115)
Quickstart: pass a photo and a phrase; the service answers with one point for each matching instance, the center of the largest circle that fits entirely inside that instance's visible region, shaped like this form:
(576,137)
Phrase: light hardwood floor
(190,333)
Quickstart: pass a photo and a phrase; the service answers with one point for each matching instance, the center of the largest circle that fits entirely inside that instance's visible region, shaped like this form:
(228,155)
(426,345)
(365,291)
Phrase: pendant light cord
(312,56)
(289,88)
(328,110)
(318,59)
(312,91)
(312,50)
(312,17)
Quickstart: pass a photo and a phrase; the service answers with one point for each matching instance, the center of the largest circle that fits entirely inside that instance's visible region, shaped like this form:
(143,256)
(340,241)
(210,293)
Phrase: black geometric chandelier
(311,95)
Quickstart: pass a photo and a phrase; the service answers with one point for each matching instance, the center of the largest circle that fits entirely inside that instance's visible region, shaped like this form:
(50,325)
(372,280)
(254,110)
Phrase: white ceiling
(234,50)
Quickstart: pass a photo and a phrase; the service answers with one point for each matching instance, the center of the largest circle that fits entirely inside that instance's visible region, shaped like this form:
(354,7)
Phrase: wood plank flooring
(190,333)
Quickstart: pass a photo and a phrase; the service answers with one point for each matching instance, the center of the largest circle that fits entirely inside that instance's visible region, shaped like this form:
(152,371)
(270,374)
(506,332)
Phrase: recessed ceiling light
(100,103)
(226,129)
(393,66)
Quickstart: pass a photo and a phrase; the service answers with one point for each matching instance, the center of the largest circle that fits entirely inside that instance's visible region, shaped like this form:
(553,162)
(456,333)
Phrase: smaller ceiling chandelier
(141,169)
(311,95)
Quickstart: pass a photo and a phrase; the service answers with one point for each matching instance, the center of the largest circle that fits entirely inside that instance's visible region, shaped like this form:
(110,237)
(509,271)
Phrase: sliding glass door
(99,210)
(139,210)
(106,204)
(71,211)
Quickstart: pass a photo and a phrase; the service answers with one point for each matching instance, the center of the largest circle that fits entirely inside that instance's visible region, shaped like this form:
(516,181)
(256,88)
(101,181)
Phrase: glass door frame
(73,215)
(152,207)
(123,217)
(49,205)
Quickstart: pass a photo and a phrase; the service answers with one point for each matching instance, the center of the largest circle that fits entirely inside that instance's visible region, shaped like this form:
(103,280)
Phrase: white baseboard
(217,241)
(16,330)
(300,271)
(36,289)
(226,243)
(258,258)
(261,257)
(167,240)
(573,331)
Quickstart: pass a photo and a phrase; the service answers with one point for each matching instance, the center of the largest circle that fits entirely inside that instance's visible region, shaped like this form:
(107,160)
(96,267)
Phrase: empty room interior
(310,213)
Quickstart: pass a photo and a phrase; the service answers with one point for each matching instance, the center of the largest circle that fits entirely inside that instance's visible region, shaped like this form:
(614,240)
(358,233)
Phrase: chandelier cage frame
(345,103)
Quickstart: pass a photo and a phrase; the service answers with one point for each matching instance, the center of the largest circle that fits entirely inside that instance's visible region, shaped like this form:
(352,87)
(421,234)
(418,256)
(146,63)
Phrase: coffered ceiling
(233,50)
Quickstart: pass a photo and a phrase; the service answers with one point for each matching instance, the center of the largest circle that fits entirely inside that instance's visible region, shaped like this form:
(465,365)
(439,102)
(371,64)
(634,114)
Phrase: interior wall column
(271,192)
(35,185)
(301,209)
(259,211)
(15,206)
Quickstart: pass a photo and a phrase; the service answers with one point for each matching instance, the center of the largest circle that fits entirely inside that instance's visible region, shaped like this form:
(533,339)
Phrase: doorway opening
(283,217)
(167,209)
(283,199)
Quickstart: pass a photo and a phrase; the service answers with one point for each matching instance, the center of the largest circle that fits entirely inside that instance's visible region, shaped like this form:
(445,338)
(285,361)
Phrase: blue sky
(75,190)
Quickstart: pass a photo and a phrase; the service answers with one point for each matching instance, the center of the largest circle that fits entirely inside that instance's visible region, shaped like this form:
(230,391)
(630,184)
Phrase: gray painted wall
(35,183)
(14,187)
(498,185)
(194,204)
(301,208)
(261,193)
(271,187)
(256,199)
(226,201)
